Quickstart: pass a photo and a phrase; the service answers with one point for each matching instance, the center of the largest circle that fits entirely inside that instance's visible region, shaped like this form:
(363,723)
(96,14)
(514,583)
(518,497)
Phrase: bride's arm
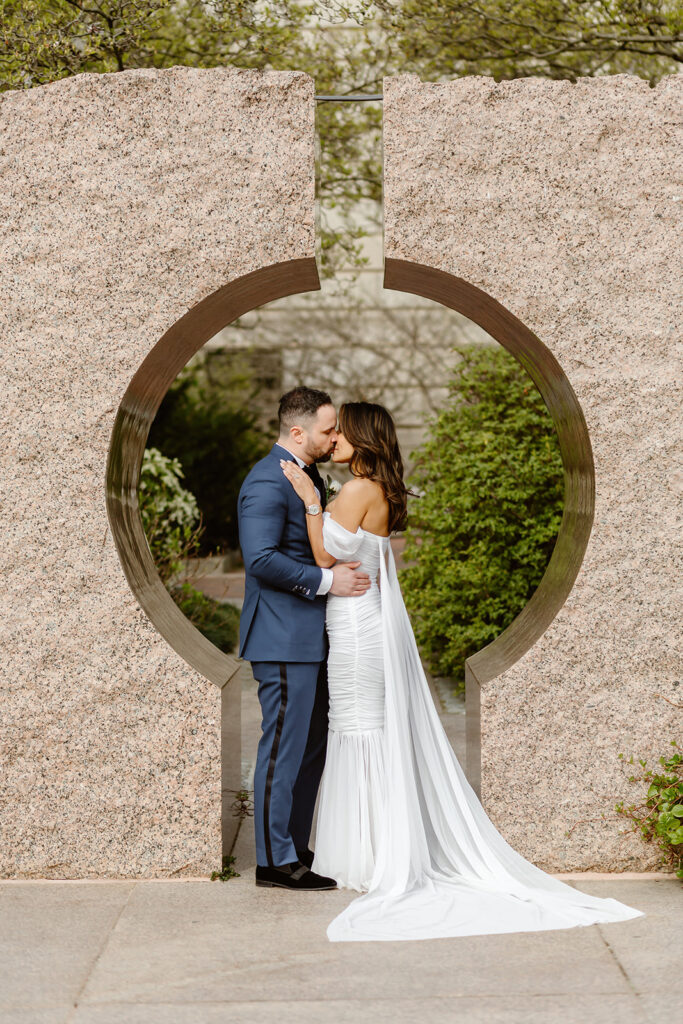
(350,507)
(303,485)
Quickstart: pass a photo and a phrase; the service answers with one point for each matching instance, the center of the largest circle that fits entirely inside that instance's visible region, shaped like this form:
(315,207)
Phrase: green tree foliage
(207,421)
(172,524)
(51,39)
(481,534)
(548,38)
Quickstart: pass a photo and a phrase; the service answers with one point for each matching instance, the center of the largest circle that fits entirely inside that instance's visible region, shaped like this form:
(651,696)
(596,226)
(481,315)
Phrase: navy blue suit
(282,634)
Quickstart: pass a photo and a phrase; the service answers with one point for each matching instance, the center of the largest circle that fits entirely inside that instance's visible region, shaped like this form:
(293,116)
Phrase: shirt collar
(299,461)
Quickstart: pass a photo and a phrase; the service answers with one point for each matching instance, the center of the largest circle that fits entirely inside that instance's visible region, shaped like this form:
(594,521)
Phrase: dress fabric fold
(397,819)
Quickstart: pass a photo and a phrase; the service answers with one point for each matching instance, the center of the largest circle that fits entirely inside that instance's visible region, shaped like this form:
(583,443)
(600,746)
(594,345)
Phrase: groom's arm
(262,517)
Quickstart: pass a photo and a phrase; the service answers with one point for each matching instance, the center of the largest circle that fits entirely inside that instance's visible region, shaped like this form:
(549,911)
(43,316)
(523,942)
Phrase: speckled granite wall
(563,202)
(125,200)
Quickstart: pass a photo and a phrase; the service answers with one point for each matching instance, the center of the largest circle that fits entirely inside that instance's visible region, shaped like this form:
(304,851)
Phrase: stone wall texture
(126,199)
(129,198)
(563,201)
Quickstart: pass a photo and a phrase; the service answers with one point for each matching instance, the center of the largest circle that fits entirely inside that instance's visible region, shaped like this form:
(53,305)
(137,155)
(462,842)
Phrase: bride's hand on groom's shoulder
(302,484)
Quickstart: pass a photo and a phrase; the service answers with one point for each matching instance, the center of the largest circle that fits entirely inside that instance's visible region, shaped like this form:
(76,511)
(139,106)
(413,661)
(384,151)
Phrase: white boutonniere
(332,488)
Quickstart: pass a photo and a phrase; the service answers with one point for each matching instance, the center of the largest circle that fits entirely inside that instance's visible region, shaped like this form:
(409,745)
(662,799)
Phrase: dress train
(397,815)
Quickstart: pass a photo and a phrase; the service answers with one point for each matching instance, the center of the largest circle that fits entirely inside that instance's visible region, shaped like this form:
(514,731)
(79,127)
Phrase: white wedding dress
(397,819)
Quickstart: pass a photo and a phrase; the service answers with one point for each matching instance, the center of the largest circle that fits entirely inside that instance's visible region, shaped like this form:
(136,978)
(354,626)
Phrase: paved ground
(199,952)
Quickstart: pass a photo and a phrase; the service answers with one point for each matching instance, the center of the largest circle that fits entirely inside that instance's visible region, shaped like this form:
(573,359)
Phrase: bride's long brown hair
(370,429)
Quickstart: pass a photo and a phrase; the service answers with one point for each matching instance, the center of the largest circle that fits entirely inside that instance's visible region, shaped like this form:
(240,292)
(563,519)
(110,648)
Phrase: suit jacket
(282,619)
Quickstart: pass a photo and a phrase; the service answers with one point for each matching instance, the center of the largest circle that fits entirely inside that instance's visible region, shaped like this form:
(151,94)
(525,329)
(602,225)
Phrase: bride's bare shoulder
(360,500)
(359,491)
(352,502)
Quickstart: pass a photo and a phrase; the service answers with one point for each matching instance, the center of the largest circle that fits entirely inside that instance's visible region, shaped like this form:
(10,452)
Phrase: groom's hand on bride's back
(347,582)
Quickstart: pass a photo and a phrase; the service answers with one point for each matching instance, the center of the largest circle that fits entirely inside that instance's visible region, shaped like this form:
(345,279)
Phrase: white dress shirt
(328,577)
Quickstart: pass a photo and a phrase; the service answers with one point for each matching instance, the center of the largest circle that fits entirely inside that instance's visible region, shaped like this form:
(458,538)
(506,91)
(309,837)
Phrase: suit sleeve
(262,516)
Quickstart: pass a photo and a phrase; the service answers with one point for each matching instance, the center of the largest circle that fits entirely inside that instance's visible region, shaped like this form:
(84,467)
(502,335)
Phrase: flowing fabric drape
(442,868)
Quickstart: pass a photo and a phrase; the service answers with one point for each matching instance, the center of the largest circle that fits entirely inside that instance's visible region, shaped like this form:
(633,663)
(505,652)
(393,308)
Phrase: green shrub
(659,818)
(171,520)
(169,512)
(481,534)
(217,621)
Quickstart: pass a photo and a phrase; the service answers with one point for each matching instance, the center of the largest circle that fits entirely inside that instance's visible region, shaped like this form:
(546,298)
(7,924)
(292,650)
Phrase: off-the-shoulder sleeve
(339,541)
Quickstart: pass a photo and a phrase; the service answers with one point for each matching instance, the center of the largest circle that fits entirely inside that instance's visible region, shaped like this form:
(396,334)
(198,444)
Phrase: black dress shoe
(306,857)
(293,876)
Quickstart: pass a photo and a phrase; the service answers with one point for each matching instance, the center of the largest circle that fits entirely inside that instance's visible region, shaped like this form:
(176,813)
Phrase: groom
(282,634)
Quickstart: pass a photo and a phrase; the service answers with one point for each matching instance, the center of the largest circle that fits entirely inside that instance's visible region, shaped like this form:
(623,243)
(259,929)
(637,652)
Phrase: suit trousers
(291,756)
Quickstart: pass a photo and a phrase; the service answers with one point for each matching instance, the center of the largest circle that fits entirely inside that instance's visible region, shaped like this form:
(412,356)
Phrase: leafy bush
(171,520)
(218,622)
(169,512)
(481,534)
(660,818)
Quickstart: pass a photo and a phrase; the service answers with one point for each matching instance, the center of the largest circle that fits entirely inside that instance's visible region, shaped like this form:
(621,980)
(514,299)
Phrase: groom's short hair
(299,404)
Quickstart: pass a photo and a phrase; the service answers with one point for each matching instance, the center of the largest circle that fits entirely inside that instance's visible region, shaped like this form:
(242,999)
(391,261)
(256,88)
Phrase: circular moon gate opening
(171,353)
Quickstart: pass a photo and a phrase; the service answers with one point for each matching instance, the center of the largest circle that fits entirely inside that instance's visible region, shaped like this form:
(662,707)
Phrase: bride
(397,819)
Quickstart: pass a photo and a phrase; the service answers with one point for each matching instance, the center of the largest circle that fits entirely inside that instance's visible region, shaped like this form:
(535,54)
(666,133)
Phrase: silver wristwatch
(313,510)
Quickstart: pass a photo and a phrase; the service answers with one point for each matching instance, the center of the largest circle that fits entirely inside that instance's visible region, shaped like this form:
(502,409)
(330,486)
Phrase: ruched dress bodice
(354,627)
(360,547)
(352,789)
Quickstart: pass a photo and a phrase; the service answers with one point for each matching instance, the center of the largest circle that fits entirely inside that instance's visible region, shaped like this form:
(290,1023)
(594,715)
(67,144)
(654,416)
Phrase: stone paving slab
(468,1010)
(224,942)
(177,951)
(50,938)
(650,951)
(55,1015)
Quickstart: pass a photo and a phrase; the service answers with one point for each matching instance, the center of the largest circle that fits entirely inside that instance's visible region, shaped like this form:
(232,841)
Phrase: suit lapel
(281,453)
(321,486)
